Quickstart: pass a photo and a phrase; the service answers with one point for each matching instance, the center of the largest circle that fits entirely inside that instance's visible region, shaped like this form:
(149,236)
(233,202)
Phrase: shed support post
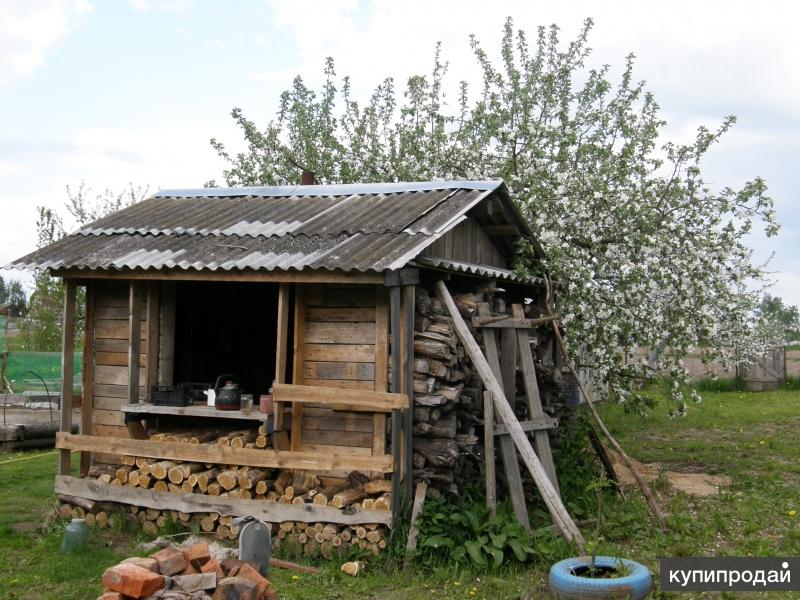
(87,373)
(282,347)
(67,362)
(134,340)
(396,334)
(408,389)
(135,428)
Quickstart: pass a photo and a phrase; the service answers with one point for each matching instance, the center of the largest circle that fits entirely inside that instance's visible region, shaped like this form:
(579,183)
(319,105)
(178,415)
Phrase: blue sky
(131,91)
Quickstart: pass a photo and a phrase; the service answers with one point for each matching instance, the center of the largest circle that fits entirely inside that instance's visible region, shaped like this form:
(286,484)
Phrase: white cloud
(180,7)
(28,30)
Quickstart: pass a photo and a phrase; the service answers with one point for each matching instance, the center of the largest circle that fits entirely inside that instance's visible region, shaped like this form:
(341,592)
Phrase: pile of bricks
(189,574)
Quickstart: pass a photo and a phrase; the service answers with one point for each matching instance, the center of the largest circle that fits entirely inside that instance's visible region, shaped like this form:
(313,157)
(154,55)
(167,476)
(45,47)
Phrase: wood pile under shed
(448,393)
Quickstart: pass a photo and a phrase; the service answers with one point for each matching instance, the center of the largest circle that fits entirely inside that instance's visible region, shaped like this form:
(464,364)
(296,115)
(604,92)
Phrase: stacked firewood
(250,483)
(245,438)
(328,539)
(446,397)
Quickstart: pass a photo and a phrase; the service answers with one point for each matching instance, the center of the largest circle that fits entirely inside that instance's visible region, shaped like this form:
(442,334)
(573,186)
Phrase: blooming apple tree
(649,255)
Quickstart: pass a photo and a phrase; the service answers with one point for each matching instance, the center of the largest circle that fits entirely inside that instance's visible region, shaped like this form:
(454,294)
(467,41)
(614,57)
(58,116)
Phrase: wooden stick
(503,409)
(413,532)
(648,493)
(488,453)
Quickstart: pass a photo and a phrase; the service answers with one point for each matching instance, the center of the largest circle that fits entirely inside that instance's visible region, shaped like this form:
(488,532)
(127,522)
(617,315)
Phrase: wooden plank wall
(345,345)
(467,242)
(110,341)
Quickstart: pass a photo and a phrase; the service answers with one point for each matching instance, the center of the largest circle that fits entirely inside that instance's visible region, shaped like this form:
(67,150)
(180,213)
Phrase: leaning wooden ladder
(515,341)
(506,417)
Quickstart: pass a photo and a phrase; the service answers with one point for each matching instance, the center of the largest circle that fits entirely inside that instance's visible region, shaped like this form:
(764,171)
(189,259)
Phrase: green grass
(753,438)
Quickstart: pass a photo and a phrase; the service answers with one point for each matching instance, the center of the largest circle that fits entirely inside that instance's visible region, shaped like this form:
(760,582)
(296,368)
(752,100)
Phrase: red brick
(132,580)
(262,583)
(235,588)
(170,561)
(212,566)
(231,566)
(111,596)
(150,564)
(197,555)
(272,594)
(189,570)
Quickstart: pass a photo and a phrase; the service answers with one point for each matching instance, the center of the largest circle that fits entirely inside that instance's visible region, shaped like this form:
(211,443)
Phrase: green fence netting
(19,367)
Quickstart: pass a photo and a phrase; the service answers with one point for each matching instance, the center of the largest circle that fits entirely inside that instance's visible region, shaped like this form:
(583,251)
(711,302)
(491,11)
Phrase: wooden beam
(210,453)
(341,399)
(407,369)
(550,496)
(397,460)
(298,358)
(540,424)
(67,363)
(321,276)
(507,451)
(381,365)
(505,322)
(153,334)
(540,436)
(488,453)
(269,511)
(282,346)
(166,343)
(407,276)
(134,340)
(501,230)
(87,403)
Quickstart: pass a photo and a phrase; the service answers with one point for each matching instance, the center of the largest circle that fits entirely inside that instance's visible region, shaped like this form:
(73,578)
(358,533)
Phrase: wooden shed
(323,293)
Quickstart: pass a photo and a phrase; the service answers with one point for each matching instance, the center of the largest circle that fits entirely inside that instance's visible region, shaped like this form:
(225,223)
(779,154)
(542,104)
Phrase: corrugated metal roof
(473,269)
(352,227)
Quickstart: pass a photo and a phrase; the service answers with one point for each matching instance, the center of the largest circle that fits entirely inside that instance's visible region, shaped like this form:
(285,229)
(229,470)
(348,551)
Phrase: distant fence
(766,372)
(23,370)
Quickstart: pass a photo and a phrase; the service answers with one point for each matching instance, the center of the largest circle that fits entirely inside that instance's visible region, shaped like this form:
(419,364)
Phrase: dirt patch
(689,481)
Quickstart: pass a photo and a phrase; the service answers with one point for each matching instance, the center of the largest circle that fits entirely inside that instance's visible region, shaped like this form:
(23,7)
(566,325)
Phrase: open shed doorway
(226,328)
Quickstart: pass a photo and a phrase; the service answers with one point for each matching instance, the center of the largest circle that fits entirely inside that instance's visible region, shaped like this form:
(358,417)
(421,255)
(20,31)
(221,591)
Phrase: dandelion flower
(792,513)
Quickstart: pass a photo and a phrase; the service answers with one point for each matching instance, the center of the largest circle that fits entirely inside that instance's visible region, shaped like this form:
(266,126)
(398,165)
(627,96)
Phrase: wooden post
(297,364)
(87,405)
(282,346)
(397,473)
(67,363)
(166,342)
(488,453)
(540,436)
(153,335)
(551,498)
(407,388)
(509,454)
(381,366)
(134,340)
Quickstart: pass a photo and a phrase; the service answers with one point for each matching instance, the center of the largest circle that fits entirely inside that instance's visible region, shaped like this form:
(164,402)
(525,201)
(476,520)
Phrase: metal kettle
(228,396)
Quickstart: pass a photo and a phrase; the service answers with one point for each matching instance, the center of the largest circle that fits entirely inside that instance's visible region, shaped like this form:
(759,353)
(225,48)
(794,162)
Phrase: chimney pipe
(307,177)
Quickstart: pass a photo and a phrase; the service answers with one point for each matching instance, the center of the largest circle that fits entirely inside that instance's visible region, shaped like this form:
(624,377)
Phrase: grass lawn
(751,437)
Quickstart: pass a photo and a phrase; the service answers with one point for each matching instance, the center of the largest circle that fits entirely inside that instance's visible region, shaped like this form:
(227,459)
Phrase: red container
(265,403)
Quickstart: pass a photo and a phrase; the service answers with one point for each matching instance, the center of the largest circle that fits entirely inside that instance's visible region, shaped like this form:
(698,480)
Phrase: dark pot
(229,396)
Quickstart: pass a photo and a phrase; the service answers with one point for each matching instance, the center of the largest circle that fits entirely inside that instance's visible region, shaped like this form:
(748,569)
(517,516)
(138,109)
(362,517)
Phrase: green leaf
(497,555)
(475,553)
(436,541)
(518,550)
(499,540)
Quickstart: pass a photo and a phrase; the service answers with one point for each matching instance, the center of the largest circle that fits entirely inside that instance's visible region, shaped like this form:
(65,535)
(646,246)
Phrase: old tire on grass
(566,585)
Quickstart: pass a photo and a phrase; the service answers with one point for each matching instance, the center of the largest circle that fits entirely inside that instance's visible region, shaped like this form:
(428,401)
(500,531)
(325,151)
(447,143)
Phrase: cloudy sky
(131,91)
